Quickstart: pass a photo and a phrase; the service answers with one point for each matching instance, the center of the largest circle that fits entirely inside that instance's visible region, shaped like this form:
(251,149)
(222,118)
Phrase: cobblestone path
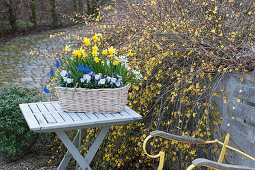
(18,66)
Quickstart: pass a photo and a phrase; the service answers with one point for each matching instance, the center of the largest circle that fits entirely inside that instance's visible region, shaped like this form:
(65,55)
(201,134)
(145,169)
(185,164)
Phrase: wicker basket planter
(106,100)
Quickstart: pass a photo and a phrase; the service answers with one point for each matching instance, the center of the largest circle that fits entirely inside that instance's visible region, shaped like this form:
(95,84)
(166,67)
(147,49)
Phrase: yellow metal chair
(240,127)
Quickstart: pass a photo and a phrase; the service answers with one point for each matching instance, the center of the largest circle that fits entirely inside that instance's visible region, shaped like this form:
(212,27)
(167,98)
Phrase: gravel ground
(29,162)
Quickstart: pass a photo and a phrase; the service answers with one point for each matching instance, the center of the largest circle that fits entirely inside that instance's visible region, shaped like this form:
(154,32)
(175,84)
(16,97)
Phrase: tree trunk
(54,14)
(88,7)
(12,16)
(74,6)
(81,6)
(94,6)
(34,21)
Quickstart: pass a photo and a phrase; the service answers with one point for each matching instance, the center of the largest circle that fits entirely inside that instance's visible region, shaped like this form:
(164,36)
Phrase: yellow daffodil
(94,53)
(111,50)
(84,54)
(67,48)
(110,56)
(86,41)
(94,48)
(105,52)
(116,62)
(77,53)
(96,59)
(97,37)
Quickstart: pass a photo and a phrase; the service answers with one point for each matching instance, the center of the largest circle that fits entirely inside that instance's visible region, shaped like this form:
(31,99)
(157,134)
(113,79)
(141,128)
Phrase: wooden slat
(244,92)
(92,116)
(133,113)
(40,118)
(242,110)
(108,115)
(65,116)
(238,128)
(31,120)
(125,114)
(117,115)
(176,137)
(209,163)
(49,118)
(56,105)
(49,107)
(74,116)
(83,116)
(42,107)
(57,117)
(34,108)
(100,115)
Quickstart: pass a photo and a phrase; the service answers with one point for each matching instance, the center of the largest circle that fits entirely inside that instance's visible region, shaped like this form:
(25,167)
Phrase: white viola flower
(63,73)
(65,79)
(98,76)
(108,78)
(87,77)
(82,80)
(102,81)
(69,80)
(117,83)
(113,80)
(91,73)
(119,77)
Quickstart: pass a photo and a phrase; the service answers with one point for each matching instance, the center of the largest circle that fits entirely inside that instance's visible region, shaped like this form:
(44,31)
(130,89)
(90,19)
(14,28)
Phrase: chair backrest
(242,110)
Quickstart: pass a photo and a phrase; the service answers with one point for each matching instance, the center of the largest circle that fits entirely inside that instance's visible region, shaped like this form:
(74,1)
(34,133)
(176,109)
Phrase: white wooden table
(49,117)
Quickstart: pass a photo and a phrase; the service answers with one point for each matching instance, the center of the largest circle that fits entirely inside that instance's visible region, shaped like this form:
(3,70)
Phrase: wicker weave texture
(107,100)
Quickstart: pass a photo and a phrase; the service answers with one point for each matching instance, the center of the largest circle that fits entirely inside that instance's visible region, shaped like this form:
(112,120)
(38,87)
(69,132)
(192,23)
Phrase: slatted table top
(49,117)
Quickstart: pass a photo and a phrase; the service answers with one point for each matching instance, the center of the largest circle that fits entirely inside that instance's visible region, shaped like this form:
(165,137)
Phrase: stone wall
(225,87)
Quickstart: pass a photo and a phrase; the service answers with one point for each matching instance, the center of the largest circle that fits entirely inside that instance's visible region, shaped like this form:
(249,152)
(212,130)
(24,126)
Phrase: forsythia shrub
(182,49)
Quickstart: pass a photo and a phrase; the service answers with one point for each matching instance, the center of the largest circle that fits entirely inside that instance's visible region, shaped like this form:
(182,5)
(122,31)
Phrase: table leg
(93,149)
(80,134)
(73,150)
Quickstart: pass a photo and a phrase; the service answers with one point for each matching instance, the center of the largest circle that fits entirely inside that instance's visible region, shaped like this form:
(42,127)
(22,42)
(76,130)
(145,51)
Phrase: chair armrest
(176,137)
(212,164)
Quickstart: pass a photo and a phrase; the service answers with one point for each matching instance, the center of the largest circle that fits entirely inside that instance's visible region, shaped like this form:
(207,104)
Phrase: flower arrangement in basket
(92,78)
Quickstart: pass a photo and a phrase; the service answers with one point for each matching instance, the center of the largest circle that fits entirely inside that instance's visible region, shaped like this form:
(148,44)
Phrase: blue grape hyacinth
(46,90)
(88,69)
(52,73)
(57,64)
(81,68)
